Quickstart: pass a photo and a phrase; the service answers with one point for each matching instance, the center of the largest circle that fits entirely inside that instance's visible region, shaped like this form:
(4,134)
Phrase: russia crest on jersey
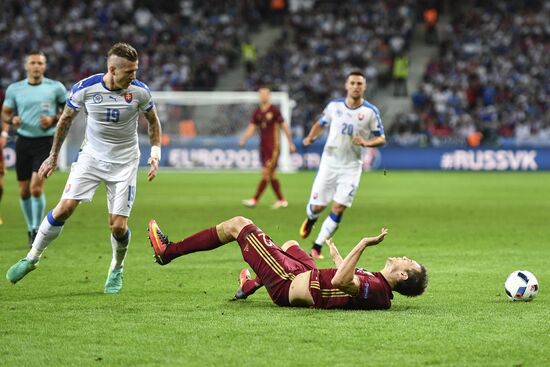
(128,97)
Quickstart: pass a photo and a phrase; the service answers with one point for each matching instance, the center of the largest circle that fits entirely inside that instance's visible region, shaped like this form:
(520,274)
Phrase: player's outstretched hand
(47,167)
(331,245)
(371,241)
(334,253)
(154,163)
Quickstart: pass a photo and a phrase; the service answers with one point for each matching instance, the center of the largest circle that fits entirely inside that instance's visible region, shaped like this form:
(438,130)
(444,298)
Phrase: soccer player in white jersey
(110,154)
(353,124)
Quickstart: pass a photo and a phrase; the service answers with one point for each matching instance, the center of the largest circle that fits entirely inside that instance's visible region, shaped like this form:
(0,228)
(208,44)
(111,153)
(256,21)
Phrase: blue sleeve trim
(323,122)
(150,107)
(380,127)
(140,84)
(52,220)
(88,82)
(71,105)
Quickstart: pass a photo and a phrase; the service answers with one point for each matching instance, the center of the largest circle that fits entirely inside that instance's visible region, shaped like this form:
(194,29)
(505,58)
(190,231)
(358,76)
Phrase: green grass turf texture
(470,229)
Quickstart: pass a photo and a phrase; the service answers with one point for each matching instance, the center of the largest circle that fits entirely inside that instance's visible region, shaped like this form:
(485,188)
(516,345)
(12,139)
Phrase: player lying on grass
(290,274)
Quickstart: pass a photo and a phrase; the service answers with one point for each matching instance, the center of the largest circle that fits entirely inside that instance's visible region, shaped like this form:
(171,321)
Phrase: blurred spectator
(183,44)
(430,25)
(400,75)
(490,84)
(248,56)
(324,40)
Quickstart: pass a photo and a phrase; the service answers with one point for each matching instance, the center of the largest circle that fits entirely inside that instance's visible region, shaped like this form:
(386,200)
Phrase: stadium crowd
(490,84)
(324,40)
(183,45)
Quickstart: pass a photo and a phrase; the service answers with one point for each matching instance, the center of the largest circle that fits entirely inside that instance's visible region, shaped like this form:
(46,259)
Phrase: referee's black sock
(317,247)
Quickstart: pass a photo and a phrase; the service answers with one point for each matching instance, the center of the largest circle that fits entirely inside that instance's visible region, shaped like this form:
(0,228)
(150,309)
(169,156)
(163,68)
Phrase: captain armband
(155,152)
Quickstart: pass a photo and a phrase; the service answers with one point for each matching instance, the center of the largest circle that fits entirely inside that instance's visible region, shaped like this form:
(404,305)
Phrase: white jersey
(344,122)
(112,116)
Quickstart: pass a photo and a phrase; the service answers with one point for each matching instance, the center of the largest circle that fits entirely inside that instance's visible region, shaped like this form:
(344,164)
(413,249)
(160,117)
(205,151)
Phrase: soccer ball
(521,285)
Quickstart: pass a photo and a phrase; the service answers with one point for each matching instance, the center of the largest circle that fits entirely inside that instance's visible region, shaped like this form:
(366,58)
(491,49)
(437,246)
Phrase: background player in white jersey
(353,123)
(110,154)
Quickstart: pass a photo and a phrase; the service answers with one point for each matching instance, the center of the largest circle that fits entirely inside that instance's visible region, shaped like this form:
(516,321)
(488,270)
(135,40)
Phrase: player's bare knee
(36,191)
(119,230)
(289,244)
(234,225)
(119,225)
(240,222)
(64,209)
(317,208)
(338,208)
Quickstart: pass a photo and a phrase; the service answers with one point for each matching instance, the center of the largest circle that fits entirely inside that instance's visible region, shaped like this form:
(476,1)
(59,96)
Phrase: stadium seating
(324,41)
(490,81)
(183,45)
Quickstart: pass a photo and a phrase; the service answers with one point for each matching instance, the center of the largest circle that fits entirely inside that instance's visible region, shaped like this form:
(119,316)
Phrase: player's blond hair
(123,50)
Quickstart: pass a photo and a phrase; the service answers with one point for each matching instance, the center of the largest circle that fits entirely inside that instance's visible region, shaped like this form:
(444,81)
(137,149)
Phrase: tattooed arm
(63,125)
(154,140)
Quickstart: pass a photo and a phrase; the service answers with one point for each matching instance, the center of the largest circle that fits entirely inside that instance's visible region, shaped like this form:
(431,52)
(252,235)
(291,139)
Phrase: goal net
(201,130)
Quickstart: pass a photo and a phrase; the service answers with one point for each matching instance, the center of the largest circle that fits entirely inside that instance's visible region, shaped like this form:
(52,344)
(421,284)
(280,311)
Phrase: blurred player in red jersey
(290,274)
(269,119)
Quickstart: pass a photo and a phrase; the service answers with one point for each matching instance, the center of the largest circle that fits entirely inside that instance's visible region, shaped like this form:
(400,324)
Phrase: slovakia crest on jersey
(360,116)
(128,97)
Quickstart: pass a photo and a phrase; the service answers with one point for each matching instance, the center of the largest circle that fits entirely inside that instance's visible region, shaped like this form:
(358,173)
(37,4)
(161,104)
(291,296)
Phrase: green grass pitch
(470,229)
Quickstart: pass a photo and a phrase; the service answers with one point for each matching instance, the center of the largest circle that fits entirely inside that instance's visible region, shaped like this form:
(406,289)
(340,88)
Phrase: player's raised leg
(205,240)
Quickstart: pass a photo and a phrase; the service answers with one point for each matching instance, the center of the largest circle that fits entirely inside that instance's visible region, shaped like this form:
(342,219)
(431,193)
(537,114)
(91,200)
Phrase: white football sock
(330,225)
(48,231)
(120,248)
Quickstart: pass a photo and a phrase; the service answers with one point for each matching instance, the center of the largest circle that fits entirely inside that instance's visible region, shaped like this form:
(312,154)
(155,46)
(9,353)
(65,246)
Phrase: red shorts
(275,267)
(269,157)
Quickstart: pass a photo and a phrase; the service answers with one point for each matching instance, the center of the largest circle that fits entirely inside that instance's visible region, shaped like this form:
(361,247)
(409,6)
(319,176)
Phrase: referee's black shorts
(30,153)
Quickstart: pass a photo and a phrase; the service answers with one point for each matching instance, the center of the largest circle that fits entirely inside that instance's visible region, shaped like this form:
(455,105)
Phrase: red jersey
(374,292)
(269,122)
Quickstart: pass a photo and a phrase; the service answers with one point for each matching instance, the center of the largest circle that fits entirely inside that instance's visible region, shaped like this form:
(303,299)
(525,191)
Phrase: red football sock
(204,240)
(277,188)
(260,189)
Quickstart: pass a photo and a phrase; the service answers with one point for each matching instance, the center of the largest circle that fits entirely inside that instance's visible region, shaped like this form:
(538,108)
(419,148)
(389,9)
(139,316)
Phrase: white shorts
(335,184)
(119,178)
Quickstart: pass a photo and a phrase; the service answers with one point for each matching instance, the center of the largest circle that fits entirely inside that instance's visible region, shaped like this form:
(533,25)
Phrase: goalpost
(198,124)
(217,116)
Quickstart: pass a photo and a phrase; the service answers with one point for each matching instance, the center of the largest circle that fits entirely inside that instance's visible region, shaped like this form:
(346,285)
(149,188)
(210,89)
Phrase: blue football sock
(38,204)
(26,207)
